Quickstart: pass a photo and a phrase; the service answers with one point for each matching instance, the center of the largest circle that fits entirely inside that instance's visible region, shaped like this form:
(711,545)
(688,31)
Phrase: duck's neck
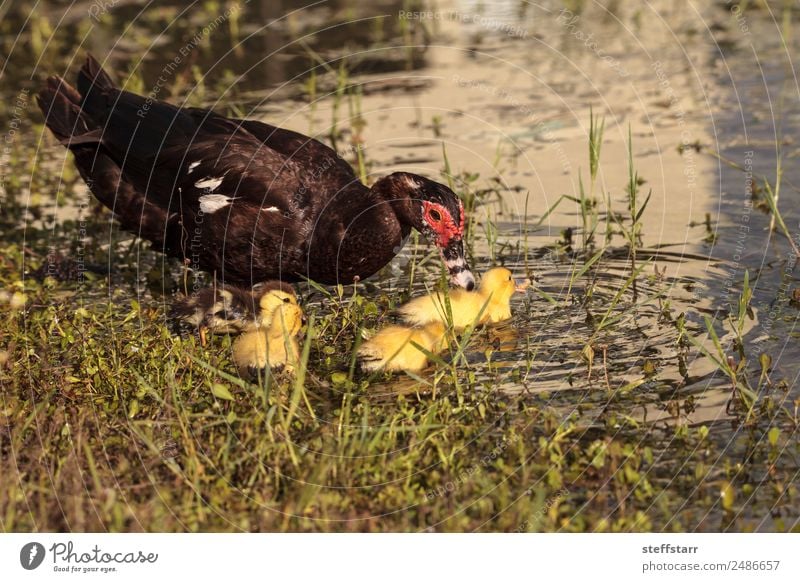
(395,189)
(355,238)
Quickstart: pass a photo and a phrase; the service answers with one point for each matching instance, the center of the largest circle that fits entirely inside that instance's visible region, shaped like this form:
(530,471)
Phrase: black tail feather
(92,75)
(75,116)
(79,119)
(97,91)
(60,105)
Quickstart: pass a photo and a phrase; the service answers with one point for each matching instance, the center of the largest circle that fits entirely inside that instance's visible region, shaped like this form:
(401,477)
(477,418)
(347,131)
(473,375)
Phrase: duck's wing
(204,187)
(167,151)
(324,163)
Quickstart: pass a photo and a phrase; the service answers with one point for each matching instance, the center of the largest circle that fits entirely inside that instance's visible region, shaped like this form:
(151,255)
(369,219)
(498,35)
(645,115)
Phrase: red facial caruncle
(440,221)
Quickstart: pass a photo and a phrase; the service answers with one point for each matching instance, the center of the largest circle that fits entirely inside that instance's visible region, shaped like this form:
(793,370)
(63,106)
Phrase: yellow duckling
(392,348)
(231,309)
(273,346)
(490,303)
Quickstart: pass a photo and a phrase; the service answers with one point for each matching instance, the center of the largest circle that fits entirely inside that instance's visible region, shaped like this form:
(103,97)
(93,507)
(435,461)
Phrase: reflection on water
(256,44)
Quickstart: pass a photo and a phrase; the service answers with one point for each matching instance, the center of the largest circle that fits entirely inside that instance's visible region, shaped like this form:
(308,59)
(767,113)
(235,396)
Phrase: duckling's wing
(424,309)
(194,308)
(465,309)
(371,357)
(224,309)
(185,309)
(383,346)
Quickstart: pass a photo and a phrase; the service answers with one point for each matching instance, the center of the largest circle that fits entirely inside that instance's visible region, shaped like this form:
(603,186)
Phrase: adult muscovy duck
(247,200)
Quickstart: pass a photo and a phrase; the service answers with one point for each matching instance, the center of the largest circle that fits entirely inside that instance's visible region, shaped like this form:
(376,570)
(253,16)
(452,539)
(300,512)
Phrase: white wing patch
(209,183)
(210,203)
(192,166)
(271,209)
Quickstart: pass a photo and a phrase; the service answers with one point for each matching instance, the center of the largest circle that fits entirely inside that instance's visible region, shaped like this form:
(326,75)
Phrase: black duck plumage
(244,199)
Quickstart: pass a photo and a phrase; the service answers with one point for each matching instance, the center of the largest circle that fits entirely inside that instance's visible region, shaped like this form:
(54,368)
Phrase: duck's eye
(435,215)
(287,300)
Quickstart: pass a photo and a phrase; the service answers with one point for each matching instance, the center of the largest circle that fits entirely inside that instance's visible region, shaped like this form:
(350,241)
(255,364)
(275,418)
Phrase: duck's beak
(460,273)
(521,286)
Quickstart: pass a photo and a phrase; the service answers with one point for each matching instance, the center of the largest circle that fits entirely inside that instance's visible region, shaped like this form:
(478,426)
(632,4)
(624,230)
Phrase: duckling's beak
(521,286)
(460,273)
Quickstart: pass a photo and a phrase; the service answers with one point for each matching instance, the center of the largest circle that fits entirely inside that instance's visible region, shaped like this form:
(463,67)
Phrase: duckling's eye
(509,277)
(287,300)
(435,215)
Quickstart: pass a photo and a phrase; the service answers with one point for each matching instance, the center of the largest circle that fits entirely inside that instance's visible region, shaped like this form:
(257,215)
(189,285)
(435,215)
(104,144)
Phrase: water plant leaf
(221,391)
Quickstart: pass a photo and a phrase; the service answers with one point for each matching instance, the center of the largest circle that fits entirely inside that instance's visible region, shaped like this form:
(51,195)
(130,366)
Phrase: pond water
(706,94)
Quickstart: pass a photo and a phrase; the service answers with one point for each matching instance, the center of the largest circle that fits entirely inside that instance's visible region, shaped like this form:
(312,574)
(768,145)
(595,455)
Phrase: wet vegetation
(628,393)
